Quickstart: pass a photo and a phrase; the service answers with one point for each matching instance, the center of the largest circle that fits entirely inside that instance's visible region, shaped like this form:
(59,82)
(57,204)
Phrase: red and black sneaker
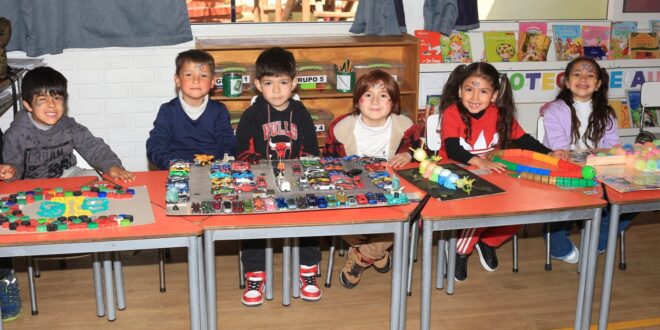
(254,289)
(309,290)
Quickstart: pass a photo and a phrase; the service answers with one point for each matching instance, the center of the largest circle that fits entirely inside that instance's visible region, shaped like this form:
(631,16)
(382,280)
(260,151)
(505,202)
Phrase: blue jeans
(561,245)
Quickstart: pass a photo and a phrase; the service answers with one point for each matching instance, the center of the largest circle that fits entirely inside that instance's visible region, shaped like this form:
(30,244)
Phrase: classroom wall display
(310,183)
(544,85)
(90,207)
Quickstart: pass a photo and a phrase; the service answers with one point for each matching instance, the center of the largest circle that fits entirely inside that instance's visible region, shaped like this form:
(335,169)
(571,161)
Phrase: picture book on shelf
(533,27)
(500,46)
(619,48)
(429,46)
(654,25)
(622,113)
(456,48)
(644,45)
(596,41)
(635,105)
(533,47)
(568,42)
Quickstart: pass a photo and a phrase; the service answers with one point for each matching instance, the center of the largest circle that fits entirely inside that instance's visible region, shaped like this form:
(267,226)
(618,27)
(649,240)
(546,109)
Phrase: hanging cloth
(379,17)
(50,26)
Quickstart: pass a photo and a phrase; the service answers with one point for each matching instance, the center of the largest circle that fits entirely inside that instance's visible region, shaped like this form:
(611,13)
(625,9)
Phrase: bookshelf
(402,49)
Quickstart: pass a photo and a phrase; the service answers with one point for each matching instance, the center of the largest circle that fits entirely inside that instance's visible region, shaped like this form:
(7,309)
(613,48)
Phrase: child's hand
(117,172)
(486,164)
(400,159)
(561,154)
(7,172)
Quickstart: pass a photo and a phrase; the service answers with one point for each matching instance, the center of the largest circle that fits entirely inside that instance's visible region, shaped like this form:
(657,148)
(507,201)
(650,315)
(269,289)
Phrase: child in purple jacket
(580,118)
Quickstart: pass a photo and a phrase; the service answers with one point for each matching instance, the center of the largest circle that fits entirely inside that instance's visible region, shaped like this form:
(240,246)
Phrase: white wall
(116,92)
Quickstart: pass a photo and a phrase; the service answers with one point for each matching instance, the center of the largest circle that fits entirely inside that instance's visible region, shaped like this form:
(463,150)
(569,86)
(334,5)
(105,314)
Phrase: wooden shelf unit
(402,49)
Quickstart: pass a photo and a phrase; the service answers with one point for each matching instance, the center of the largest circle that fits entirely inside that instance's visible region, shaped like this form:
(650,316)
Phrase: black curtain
(50,26)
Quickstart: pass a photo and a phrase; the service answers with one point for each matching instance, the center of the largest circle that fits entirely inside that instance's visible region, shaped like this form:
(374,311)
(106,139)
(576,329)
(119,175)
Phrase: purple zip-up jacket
(557,123)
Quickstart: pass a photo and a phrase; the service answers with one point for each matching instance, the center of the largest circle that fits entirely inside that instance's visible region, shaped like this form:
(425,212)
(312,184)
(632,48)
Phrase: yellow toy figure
(438,174)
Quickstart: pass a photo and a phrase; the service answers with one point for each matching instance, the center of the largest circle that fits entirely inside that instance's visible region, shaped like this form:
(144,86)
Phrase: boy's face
(195,81)
(46,109)
(276,90)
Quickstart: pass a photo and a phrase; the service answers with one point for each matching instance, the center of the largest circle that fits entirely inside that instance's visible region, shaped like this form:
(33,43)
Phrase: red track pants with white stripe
(491,236)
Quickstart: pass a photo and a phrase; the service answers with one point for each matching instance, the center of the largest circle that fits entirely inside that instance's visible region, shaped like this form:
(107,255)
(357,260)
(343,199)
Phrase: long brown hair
(504,101)
(601,116)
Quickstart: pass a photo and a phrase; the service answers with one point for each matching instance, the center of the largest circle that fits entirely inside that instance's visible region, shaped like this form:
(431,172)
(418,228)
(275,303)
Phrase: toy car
(311,200)
(321,202)
(261,182)
(217,206)
(195,207)
(361,199)
(381,197)
(378,174)
(283,185)
(351,201)
(218,175)
(226,207)
(332,201)
(248,206)
(259,205)
(323,186)
(358,182)
(245,187)
(301,202)
(333,167)
(371,198)
(242,174)
(281,203)
(240,166)
(201,160)
(270,204)
(342,199)
(296,169)
(303,183)
(237,207)
(291,203)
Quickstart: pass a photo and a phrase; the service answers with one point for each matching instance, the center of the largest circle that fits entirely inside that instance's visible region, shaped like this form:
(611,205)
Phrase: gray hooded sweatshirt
(40,153)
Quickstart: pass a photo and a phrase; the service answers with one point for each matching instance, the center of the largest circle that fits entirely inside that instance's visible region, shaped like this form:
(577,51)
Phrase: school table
(166,232)
(330,222)
(635,201)
(523,202)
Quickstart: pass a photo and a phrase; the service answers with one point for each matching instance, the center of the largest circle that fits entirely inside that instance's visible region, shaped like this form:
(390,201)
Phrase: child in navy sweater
(191,123)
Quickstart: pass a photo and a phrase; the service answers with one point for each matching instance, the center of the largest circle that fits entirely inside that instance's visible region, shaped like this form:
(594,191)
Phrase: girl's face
(375,105)
(476,94)
(583,81)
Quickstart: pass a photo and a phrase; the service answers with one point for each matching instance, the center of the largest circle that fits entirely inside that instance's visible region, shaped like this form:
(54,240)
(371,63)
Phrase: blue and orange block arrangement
(567,174)
(62,210)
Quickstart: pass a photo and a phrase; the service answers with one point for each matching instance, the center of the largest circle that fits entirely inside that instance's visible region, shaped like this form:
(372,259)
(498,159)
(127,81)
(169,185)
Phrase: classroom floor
(530,299)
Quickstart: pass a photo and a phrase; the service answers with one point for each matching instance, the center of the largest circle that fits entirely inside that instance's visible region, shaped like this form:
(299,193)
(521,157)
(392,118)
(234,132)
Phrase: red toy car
(237,207)
(261,182)
(358,182)
(361,199)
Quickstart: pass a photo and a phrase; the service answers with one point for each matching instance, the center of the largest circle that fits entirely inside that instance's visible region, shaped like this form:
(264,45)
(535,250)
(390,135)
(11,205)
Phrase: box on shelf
(246,70)
(322,120)
(394,69)
(314,76)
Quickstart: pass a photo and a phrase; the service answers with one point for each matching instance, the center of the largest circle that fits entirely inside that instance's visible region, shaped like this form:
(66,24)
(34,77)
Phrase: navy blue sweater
(176,136)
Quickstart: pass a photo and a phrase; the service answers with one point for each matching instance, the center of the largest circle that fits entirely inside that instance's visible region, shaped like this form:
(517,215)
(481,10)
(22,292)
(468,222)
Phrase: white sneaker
(572,258)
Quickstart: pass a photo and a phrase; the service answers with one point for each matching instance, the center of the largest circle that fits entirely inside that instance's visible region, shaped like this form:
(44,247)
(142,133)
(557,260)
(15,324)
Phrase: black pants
(254,253)
(6,263)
